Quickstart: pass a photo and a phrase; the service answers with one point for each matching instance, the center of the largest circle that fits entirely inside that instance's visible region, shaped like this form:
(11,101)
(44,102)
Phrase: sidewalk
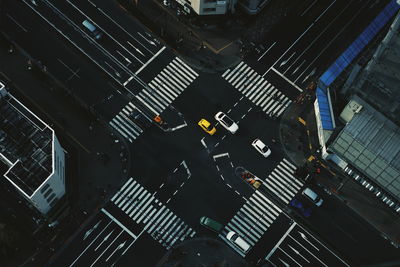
(210,43)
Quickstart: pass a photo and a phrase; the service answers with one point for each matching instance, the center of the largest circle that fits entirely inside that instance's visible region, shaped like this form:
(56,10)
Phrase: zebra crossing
(281,181)
(252,220)
(257,89)
(157,96)
(125,125)
(167,86)
(160,222)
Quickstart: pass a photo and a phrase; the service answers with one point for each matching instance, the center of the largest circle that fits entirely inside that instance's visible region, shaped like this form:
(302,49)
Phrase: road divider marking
(221,155)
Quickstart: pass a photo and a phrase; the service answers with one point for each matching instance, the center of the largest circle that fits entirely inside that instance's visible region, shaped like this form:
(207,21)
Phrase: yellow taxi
(207,127)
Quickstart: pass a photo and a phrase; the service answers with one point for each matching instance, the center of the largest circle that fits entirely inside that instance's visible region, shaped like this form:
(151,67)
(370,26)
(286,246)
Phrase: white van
(92,29)
(238,241)
(311,195)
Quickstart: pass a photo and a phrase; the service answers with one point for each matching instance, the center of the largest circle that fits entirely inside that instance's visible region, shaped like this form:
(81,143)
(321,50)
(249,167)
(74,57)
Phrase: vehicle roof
(310,193)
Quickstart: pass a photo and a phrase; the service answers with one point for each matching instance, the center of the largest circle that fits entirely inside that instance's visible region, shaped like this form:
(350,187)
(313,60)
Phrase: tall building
(209,7)
(370,139)
(31,154)
(365,141)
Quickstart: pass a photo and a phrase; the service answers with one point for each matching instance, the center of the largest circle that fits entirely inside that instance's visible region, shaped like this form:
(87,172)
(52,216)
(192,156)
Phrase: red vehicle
(248,177)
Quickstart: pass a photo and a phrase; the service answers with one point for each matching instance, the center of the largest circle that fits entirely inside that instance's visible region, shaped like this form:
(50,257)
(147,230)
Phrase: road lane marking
(118,223)
(150,60)
(266,51)
(221,155)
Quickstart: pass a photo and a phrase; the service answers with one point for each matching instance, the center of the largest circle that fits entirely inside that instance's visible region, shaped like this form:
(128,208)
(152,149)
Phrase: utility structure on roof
(31,157)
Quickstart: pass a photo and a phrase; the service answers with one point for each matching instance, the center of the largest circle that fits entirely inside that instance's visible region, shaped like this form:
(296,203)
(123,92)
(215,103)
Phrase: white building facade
(209,7)
(31,153)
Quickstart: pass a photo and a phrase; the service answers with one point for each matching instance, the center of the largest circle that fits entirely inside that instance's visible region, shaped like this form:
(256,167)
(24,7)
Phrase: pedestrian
(29,64)
(11,49)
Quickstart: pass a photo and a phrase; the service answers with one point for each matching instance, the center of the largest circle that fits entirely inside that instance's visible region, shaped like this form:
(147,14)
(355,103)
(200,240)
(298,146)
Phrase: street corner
(171,120)
(202,252)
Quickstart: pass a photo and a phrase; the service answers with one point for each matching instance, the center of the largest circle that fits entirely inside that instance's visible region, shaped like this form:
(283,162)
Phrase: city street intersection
(177,172)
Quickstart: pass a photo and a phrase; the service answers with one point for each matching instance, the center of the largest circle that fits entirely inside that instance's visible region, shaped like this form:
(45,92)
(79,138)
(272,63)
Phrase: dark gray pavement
(211,43)
(202,251)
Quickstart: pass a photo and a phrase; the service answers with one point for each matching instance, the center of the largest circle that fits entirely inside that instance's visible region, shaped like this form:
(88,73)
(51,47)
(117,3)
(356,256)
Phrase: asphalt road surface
(179,175)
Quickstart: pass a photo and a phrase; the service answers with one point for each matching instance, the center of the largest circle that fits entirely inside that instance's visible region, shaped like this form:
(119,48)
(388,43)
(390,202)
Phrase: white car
(261,147)
(311,195)
(238,241)
(226,122)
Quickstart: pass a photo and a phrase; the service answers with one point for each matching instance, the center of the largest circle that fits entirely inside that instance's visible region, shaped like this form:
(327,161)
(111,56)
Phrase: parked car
(238,241)
(261,147)
(207,127)
(226,122)
(211,224)
(312,196)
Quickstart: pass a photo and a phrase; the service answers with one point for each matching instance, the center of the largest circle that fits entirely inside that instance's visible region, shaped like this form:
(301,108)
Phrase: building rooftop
(25,145)
(378,83)
(371,143)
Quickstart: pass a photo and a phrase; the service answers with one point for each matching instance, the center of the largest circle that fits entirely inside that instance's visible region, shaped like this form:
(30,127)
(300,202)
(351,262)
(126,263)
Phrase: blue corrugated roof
(324,109)
(346,58)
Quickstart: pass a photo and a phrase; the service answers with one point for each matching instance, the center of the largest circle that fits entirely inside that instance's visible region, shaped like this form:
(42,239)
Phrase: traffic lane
(285,34)
(316,29)
(138,50)
(295,247)
(323,59)
(144,252)
(301,254)
(130,25)
(298,63)
(347,231)
(315,247)
(107,248)
(304,29)
(83,240)
(303,65)
(74,71)
(270,238)
(131,60)
(343,232)
(70,26)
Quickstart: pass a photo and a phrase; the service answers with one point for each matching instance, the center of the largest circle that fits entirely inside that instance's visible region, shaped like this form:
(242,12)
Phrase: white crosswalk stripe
(282,183)
(125,125)
(167,85)
(157,96)
(252,220)
(257,89)
(159,222)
